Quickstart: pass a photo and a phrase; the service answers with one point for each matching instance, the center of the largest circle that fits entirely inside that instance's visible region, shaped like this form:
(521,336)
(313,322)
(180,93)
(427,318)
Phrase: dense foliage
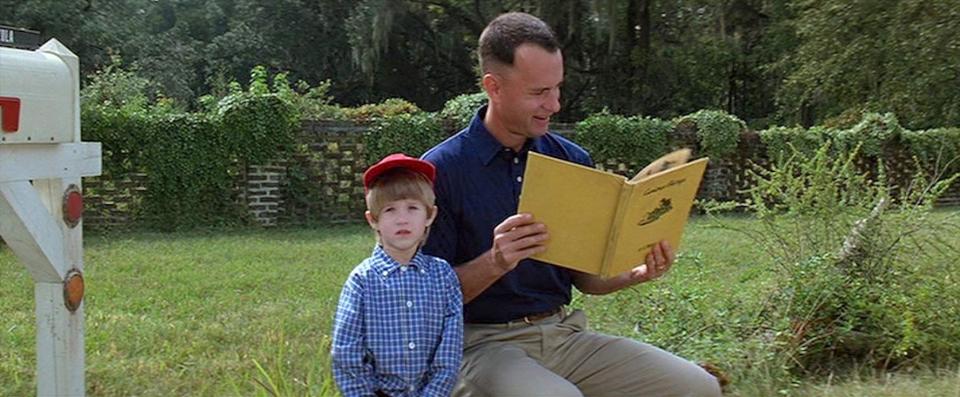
(411,134)
(847,247)
(617,138)
(768,62)
(718,131)
(191,160)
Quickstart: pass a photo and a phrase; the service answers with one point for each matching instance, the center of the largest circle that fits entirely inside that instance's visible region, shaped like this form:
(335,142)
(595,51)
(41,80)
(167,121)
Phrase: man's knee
(508,371)
(511,388)
(699,382)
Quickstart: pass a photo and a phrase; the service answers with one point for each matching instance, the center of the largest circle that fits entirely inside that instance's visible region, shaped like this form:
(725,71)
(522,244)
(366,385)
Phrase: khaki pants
(558,357)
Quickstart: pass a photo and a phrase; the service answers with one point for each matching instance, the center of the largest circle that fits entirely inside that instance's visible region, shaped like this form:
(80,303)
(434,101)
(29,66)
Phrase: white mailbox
(39,95)
(41,203)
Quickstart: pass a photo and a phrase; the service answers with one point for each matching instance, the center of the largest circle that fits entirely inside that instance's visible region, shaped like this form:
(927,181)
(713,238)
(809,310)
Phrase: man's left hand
(658,263)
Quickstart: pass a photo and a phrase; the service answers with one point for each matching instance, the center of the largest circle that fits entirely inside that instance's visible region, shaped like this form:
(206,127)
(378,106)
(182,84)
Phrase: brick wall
(320,182)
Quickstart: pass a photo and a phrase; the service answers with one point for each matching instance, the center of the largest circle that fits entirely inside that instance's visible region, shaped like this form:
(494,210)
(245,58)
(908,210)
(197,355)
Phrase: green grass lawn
(241,313)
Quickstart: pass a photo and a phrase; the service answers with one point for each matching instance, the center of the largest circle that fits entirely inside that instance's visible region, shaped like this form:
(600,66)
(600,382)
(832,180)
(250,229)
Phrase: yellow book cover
(601,223)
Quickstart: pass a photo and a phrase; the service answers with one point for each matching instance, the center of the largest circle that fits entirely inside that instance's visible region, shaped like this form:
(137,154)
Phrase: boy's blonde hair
(399,184)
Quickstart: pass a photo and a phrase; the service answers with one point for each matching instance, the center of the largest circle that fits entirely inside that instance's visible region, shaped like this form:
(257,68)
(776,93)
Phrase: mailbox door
(41,85)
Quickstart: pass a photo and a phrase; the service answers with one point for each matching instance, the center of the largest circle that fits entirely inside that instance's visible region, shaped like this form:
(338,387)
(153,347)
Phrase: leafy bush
(938,149)
(189,166)
(850,254)
(782,141)
(719,132)
(628,139)
(260,125)
(118,88)
(412,134)
(460,110)
(387,108)
(311,103)
(872,133)
(191,159)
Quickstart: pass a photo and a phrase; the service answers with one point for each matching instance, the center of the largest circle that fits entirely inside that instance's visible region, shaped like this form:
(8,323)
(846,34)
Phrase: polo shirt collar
(484,145)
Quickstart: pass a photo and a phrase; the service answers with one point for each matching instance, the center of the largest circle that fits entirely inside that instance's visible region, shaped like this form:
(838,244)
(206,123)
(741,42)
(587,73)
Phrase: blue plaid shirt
(398,329)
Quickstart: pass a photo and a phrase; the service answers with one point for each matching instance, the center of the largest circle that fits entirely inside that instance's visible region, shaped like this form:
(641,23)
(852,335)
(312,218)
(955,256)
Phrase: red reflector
(10,108)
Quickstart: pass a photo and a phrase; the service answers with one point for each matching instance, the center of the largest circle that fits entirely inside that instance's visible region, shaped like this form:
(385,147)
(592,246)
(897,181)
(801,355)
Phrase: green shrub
(853,260)
(460,110)
(311,103)
(189,166)
(782,141)
(191,160)
(872,133)
(411,134)
(719,132)
(627,139)
(387,108)
(118,88)
(258,127)
(937,149)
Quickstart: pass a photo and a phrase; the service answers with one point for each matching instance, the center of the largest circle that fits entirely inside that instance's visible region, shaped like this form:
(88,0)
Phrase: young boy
(398,330)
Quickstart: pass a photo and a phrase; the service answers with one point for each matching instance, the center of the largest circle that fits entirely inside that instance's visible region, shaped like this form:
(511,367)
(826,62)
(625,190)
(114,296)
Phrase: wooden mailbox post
(41,162)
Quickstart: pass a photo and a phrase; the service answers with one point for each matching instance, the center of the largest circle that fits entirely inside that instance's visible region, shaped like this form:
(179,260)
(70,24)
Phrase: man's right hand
(516,238)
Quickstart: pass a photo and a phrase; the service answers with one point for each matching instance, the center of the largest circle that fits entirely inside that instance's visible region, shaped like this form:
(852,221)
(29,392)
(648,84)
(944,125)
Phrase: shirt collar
(384,264)
(483,143)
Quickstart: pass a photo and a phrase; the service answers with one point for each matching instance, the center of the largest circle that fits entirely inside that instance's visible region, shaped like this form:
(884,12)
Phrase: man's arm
(658,262)
(516,238)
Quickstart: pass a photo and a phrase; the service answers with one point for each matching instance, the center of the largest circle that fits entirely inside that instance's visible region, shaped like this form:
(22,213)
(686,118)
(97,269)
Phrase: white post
(41,143)
(30,222)
(60,343)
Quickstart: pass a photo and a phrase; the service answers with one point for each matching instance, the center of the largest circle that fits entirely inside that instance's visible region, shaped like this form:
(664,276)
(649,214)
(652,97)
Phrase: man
(518,338)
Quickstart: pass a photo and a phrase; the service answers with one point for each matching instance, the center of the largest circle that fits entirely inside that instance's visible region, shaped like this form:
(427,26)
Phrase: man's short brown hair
(500,39)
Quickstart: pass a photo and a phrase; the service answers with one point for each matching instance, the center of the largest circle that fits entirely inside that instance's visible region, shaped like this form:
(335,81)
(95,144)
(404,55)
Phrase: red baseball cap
(398,160)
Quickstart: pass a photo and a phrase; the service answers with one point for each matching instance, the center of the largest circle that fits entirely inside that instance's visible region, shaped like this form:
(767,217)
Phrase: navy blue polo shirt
(478,186)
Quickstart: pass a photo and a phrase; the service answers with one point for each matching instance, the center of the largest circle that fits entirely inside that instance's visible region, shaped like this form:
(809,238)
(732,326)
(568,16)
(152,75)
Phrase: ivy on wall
(409,133)
(719,131)
(191,160)
(937,149)
(458,111)
(618,138)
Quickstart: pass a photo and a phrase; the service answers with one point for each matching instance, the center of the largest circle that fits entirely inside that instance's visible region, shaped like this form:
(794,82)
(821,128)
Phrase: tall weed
(861,266)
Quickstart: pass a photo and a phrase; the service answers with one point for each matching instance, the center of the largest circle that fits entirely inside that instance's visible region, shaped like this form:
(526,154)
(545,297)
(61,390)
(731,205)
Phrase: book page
(576,203)
(665,162)
(658,210)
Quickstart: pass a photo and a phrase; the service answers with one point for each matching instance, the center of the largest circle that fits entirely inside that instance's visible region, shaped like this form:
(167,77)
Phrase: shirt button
(519,179)
(403,268)
(386,272)
(412,345)
(516,160)
(409,304)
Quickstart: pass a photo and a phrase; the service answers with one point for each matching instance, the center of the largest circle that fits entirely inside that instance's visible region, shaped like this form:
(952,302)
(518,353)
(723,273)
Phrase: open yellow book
(601,223)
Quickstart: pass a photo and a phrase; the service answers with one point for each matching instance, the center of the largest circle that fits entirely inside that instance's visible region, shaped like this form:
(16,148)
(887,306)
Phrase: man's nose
(553,102)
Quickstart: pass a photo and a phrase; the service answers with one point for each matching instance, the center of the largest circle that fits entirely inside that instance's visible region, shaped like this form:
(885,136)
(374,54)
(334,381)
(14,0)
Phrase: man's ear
(491,84)
(371,220)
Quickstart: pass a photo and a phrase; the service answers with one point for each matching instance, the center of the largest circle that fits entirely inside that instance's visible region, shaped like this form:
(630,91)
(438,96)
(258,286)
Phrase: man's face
(529,91)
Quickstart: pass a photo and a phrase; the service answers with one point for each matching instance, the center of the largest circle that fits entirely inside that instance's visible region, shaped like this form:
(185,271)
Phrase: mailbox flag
(10,112)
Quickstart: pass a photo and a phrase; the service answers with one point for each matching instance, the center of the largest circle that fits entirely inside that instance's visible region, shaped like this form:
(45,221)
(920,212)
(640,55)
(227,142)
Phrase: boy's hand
(516,238)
